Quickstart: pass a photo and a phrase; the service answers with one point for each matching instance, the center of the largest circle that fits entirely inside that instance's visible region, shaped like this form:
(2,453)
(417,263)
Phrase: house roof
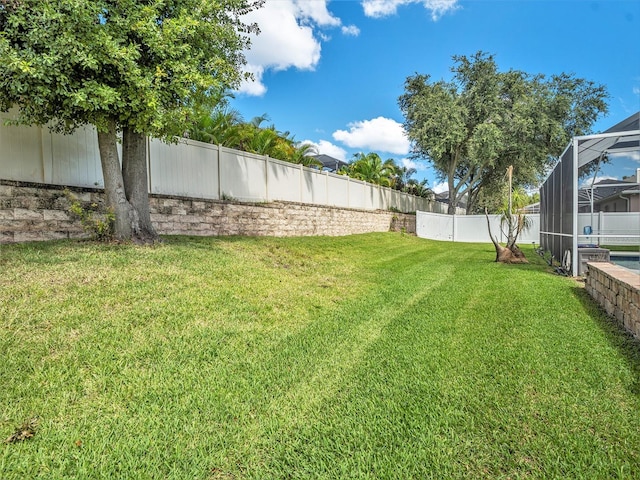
(444,198)
(622,137)
(330,163)
(605,189)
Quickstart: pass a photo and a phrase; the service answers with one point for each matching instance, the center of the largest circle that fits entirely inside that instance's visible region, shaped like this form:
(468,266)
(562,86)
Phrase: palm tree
(304,154)
(403,175)
(224,126)
(515,222)
(219,126)
(370,168)
(419,189)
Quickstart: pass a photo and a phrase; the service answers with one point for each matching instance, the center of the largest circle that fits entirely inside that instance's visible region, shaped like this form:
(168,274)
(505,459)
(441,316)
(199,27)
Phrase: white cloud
(351,30)
(384,8)
(315,11)
(440,187)
(254,87)
(418,165)
(635,155)
(587,182)
(289,38)
(636,90)
(379,134)
(325,147)
(284,42)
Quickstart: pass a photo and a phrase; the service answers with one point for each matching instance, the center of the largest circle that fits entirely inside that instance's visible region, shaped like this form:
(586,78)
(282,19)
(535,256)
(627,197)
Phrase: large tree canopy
(472,127)
(143,67)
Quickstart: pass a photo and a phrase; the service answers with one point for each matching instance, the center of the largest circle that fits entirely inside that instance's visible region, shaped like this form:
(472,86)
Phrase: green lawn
(622,248)
(370,356)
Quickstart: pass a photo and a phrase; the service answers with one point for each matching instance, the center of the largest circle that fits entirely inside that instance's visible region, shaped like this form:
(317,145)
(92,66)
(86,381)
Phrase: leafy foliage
(143,66)
(472,127)
(226,127)
(371,168)
(148,64)
(99,224)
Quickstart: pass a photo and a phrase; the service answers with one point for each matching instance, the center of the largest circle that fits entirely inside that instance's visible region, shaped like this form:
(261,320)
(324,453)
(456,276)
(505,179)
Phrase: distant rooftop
(330,163)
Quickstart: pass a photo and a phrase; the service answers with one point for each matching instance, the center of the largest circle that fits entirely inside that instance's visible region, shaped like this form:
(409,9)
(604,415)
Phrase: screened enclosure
(595,176)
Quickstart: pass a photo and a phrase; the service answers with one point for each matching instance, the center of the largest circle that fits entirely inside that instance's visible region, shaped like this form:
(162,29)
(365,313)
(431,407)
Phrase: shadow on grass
(626,344)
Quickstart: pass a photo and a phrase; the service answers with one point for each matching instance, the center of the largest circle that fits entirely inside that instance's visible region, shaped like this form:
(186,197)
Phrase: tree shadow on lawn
(623,341)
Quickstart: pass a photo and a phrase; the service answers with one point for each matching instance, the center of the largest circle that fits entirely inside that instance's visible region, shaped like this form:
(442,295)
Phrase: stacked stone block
(617,289)
(31,212)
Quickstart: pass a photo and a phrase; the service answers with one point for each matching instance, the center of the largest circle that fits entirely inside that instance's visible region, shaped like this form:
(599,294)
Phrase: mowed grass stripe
(371,356)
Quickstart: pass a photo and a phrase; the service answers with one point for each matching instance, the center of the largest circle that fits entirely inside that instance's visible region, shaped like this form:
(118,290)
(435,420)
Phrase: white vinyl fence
(470,228)
(607,228)
(192,169)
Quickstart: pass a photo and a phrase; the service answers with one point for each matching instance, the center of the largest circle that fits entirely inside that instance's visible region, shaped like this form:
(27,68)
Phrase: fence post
(301,179)
(453,228)
(600,224)
(326,184)
(46,155)
(219,171)
(148,142)
(348,193)
(364,197)
(266,176)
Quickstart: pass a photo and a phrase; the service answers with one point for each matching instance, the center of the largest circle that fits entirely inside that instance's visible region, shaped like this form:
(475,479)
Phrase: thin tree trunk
(134,172)
(114,183)
(453,194)
(505,254)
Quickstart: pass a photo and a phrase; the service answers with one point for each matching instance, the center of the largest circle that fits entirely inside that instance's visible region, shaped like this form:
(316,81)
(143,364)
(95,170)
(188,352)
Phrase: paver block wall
(40,212)
(618,291)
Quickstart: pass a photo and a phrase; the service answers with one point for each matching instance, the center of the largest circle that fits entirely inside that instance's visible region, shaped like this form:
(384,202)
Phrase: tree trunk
(134,172)
(472,196)
(453,194)
(114,183)
(505,254)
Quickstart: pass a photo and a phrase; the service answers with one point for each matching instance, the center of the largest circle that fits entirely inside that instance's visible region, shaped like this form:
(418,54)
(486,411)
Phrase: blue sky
(331,72)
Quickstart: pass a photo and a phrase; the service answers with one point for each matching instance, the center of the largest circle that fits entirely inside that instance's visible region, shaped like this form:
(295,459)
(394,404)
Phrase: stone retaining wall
(617,289)
(33,212)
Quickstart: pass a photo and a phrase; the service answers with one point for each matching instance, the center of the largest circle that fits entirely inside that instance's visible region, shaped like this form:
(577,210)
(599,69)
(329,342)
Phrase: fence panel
(385,198)
(188,169)
(21,156)
(394,200)
(470,228)
(284,181)
(314,186)
(434,226)
(378,198)
(615,228)
(532,234)
(75,158)
(356,194)
(243,176)
(338,190)
(406,203)
(371,196)
(473,228)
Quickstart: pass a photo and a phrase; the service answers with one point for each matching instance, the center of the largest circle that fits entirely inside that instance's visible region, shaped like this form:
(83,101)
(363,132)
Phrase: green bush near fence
(370,356)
